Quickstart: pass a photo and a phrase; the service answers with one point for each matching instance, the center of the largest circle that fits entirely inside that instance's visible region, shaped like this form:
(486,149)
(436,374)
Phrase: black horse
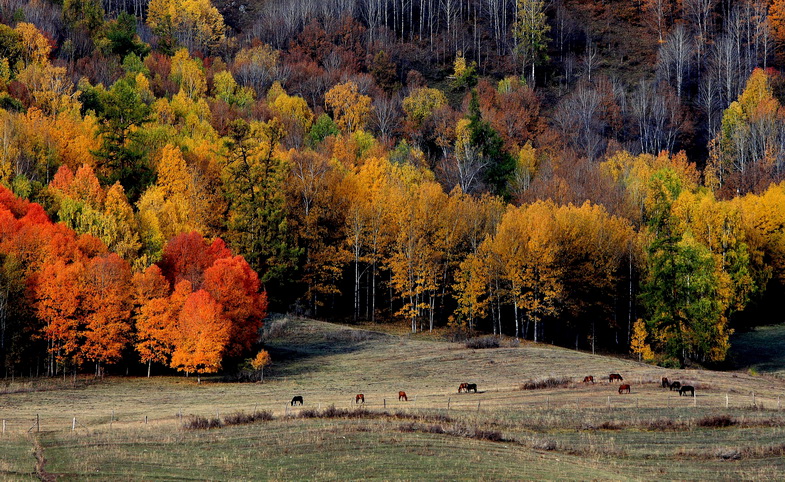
(675,386)
(687,388)
(297,399)
(470,387)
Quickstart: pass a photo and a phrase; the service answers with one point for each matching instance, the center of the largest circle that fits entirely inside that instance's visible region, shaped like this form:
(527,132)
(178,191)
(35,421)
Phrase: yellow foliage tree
(350,108)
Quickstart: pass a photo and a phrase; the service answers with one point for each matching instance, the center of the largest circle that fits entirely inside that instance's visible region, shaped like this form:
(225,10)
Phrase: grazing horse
(359,397)
(588,379)
(402,396)
(614,376)
(297,399)
(675,386)
(665,383)
(624,388)
(470,387)
(687,388)
(463,387)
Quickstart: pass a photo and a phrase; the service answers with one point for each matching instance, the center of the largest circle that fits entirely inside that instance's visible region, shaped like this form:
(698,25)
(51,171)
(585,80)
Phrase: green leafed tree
(530,32)
(253,177)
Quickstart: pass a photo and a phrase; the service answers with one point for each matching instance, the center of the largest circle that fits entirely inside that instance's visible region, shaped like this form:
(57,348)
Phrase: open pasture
(132,428)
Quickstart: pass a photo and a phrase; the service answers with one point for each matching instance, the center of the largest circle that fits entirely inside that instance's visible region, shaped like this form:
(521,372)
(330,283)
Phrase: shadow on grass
(301,347)
(762,349)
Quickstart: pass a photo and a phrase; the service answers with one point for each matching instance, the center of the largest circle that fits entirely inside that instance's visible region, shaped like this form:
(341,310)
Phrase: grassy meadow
(132,428)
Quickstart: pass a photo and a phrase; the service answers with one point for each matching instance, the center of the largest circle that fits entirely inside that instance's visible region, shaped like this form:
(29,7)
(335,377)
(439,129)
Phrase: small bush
(488,341)
(544,444)
(195,422)
(663,424)
(241,418)
(491,435)
(541,383)
(716,421)
(727,454)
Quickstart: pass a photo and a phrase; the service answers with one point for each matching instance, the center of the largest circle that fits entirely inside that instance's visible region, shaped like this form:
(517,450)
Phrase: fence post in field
(478,406)
(448,403)
(547,403)
(609,401)
(3,427)
(694,400)
(37,423)
(778,402)
(73,424)
(637,402)
(384,401)
(753,399)
(726,400)
(145,419)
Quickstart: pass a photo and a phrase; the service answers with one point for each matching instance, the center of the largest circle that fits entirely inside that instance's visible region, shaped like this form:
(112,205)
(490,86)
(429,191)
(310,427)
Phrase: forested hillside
(596,174)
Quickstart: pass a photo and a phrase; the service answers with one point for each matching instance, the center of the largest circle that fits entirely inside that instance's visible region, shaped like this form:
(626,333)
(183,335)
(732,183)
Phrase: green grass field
(130,428)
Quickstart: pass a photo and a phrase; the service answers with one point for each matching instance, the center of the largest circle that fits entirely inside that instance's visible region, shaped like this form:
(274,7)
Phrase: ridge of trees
(604,175)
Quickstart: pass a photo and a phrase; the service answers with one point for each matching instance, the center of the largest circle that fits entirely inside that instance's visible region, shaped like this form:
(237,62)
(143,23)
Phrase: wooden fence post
(753,399)
(478,407)
(609,401)
(384,401)
(3,427)
(73,424)
(547,403)
(726,400)
(448,403)
(145,419)
(37,423)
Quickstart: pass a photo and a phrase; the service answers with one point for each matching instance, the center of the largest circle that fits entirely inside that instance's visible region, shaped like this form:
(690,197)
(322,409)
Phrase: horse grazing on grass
(624,388)
(687,388)
(470,387)
(665,383)
(463,387)
(589,379)
(359,398)
(402,396)
(614,376)
(297,399)
(675,386)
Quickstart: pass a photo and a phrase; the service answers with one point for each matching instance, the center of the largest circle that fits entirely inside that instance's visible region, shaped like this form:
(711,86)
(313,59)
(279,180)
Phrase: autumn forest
(601,175)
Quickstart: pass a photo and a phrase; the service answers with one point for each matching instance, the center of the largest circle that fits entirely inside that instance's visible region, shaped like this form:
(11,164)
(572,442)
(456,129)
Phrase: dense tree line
(603,175)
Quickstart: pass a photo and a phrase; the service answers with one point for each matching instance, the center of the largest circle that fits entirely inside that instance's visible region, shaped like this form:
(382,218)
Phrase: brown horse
(402,396)
(589,379)
(615,376)
(463,387)
(687,388)
(665,383)
(675,386)
(624,388)
(359,397)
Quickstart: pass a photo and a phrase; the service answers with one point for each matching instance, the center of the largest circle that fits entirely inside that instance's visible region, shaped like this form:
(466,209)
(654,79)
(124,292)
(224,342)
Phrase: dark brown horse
(675,386)
(359,398)
(297,399)
(589,379)
(665,383)
(687,388)
(615,376)
(624,388)
(402,396)
(470,387)
(463,387)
